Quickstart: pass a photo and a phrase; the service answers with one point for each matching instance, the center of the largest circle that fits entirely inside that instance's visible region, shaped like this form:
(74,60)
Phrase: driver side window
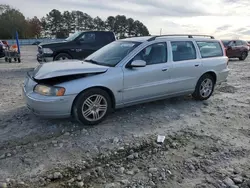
(153,54)
(88,37)
(233,43)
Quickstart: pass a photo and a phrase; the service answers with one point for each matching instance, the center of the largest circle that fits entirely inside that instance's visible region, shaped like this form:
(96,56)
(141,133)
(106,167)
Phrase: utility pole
(160,31)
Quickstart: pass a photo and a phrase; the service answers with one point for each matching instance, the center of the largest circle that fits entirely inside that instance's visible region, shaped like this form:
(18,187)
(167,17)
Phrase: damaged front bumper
(46,106)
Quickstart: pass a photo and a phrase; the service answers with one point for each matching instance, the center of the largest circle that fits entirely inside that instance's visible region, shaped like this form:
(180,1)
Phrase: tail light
(225,51)
(224,48)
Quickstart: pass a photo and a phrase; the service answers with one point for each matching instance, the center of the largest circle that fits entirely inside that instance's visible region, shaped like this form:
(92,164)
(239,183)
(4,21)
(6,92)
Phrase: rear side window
(210,49)
(183,50)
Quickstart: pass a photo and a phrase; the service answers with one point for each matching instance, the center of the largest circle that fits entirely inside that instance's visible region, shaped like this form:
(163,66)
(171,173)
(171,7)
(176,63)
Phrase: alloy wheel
(94,107)
(206,87)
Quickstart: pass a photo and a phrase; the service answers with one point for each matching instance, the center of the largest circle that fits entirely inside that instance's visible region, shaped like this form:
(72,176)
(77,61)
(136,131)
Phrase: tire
(210,87)
(243,56)
(6,59)
(62,56)
(10,60)
(91,95)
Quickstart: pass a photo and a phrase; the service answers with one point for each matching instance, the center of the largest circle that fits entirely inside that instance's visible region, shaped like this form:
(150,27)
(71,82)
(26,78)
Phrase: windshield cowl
(96,62)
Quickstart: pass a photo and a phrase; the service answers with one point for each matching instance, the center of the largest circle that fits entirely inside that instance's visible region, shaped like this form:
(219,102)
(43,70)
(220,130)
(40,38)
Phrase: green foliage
(61,24)
(67,22)
(11,20)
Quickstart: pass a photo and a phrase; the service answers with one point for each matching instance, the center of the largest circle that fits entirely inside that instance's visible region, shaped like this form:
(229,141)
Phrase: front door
(151,81)
(86,45)
(232,49)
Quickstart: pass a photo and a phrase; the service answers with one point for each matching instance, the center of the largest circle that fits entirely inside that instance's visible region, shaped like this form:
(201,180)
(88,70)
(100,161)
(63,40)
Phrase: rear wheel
(62,56)
(204,88)
(243,56)
(92,107)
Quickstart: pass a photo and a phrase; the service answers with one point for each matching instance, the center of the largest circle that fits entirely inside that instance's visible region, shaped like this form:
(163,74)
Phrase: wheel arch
(109,91)
(212,73)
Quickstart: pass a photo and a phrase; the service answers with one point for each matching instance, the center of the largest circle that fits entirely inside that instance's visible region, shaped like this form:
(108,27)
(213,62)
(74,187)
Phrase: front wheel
(92,107)
(204,88)
(62,56)
(243,56)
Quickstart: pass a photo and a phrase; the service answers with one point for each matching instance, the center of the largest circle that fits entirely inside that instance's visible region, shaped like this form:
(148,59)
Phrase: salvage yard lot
(207,143)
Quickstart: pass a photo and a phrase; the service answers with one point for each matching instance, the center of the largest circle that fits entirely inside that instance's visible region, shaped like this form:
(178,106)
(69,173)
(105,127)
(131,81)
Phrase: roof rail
(188,35)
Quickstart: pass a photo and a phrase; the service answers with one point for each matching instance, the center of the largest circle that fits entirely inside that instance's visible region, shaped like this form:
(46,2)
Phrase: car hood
(66,68)
(53,43)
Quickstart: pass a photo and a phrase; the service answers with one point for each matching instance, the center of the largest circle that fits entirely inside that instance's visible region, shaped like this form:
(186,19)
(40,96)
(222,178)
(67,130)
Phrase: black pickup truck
(77,46)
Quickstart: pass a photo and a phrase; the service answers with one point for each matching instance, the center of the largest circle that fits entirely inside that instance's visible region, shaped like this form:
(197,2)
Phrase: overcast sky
(221,18)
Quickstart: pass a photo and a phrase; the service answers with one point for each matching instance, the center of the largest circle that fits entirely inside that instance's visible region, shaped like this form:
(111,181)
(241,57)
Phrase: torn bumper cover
(52,74)
(48,106)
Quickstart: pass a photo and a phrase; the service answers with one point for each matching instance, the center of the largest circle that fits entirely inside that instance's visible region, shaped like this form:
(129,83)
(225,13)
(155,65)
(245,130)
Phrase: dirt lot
(207,143)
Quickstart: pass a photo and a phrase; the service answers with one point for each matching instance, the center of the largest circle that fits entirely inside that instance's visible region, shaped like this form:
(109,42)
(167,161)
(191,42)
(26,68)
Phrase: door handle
(197,65)
(164,69)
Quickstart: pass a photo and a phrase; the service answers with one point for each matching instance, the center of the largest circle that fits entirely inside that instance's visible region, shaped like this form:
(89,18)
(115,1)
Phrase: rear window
(210,49)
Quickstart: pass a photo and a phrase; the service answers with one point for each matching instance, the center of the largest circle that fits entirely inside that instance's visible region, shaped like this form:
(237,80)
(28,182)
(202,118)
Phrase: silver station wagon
(127,72)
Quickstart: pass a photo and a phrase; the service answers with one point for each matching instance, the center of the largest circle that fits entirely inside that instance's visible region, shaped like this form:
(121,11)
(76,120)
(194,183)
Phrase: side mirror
(138,63)
(229,47)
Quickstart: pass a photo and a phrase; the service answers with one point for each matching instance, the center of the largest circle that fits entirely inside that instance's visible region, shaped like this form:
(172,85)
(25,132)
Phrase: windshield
(73,37)
(113,53)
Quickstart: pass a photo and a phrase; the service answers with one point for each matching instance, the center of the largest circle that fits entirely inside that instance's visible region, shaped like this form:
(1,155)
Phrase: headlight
(47,51)
(49,90)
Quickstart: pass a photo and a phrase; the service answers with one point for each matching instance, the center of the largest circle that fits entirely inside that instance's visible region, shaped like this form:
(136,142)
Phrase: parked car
(2,48)
(126,72)
(5,43)
(236,49)
(248,44)
(77,46)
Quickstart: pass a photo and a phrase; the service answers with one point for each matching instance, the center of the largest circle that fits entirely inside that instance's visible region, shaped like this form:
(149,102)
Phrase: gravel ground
(206,145)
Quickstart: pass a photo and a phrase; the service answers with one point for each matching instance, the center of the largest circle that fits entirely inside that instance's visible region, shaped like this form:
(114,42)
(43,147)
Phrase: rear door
(186,66)
(104,38)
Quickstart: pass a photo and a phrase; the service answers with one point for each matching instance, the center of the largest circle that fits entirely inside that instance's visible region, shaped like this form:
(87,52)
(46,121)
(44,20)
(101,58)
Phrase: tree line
(62,24)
